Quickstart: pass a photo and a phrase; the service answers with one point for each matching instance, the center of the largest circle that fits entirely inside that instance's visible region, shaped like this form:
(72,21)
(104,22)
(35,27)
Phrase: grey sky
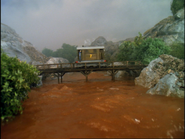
(50,23)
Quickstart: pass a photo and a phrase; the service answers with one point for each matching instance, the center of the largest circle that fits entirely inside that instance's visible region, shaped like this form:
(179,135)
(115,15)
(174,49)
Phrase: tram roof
(92,47)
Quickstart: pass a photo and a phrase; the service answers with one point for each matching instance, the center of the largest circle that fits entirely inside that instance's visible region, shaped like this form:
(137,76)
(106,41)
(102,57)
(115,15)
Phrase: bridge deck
(87,68)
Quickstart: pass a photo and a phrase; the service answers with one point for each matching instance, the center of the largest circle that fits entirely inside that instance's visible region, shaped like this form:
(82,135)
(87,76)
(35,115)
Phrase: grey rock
(163,76)
(179,84)
(13,50)
(57,60)
(100,41)
(182,83)
(148,78)
(119,73)
(165,86)
(170,29)
(40,81)
(179,14)
(180,93)
(13,45)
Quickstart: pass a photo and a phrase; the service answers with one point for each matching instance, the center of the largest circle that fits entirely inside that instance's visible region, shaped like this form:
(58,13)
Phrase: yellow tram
(90,54)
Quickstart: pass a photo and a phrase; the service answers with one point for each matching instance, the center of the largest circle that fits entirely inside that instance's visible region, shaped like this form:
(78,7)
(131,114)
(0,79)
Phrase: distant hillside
(14,45)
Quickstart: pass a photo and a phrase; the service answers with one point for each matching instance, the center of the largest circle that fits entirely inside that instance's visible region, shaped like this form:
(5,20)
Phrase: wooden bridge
(86,68)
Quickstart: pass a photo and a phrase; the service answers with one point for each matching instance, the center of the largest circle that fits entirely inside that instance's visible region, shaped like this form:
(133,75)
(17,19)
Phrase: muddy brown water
(99,108)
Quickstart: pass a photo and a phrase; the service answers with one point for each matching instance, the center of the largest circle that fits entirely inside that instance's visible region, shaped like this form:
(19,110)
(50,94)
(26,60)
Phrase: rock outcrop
(155,75)
(14,45)
(167,86)
(56,60)
(100,41)
(111,48)
(170,29)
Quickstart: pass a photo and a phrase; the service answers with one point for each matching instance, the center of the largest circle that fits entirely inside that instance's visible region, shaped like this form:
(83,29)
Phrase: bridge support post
(61,75)
(113,73)
(86,77)
(58,78)
(113,76)
(86,73)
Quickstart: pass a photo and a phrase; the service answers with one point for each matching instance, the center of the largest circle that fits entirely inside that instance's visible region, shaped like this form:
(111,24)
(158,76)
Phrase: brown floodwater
(99,108)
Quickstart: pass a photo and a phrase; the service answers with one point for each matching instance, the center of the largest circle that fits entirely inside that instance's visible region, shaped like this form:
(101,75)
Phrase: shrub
(126,51)
(151,49)
(177,50)
(16,77)
(144,50)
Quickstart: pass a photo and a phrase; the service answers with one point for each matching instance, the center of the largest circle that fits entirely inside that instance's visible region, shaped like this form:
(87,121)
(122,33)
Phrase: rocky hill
(14,45)
(100,41)
(170,29)
(111,48)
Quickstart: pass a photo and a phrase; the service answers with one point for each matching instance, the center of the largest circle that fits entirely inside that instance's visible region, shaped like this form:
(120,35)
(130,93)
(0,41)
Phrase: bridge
(86,68)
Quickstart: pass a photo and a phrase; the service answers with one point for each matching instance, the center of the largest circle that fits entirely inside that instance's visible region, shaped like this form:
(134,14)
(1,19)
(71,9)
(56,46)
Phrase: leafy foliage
(176,5)
(47,52)
(177,50)
(151,49)
(67,51)
(144,50)
(126,51)
(16,78)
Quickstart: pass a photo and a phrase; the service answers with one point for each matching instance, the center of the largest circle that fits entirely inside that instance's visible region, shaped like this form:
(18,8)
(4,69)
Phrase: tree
(150,49)
(67,51)
(47,52)
(142,50)
(176,5)
(126,51)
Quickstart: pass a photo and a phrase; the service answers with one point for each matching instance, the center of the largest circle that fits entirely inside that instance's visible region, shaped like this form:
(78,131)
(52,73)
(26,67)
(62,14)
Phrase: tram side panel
(91,57)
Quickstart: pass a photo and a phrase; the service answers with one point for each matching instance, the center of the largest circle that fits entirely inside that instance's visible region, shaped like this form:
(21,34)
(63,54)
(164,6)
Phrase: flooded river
(99,108)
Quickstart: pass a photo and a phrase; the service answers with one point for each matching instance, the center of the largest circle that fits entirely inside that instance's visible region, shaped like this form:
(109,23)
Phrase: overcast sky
(50,23)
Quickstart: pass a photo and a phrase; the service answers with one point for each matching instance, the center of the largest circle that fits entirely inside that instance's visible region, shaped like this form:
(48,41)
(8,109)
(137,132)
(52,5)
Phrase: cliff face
(170,29)
(14,45)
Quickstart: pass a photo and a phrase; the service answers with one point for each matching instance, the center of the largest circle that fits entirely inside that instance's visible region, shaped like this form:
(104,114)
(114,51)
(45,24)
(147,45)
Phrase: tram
(90,54)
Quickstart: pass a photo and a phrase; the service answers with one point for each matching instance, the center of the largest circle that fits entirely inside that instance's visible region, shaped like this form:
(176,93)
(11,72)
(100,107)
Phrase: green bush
(176,5)
(16,78)
(151,49)
(177,50)
(127,49)
(67,51)
(144,50)
(47,52)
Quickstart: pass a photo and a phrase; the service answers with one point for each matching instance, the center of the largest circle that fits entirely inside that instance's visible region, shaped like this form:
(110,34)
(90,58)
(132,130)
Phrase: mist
(50,23)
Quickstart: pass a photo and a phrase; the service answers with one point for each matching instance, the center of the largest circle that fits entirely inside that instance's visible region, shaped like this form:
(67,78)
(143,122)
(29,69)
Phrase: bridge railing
(86,65)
